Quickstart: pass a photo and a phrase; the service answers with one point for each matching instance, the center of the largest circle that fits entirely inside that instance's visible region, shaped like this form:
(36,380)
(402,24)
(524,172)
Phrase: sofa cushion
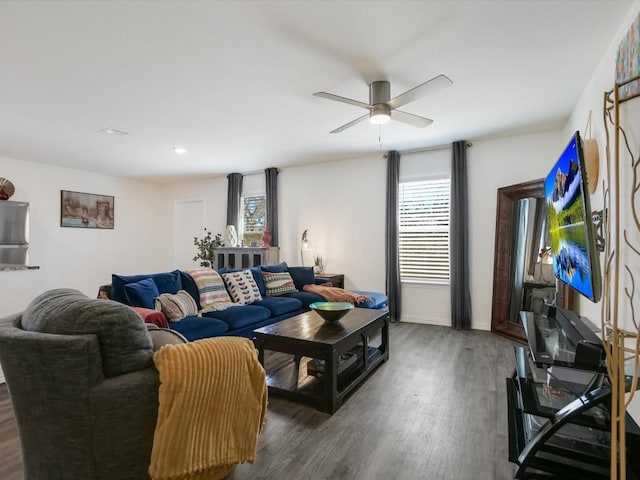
(240,316)
(278,283)
(242,287)
(302,276)
(167,282)
(195,328)
(177,306)
(125,344)
(307,298)
(378,300)
(279,268)
(142,293)
(280,305)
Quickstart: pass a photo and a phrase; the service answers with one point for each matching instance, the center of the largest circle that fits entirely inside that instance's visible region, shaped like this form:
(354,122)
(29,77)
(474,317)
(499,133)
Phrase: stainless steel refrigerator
(14,234)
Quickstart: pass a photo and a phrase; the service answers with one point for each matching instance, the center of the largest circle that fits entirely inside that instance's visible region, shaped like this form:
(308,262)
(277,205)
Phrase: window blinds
(424,230)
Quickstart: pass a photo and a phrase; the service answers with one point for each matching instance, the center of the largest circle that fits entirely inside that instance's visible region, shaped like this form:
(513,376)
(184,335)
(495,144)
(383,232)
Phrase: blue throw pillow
(302,276)
(142,293)
(279,268)
(257,276)
(378,300)
(168,282)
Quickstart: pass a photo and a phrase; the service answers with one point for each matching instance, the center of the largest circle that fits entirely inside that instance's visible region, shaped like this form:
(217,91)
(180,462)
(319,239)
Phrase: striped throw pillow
(177,306)
(242,287)
(278,283)
(210,286)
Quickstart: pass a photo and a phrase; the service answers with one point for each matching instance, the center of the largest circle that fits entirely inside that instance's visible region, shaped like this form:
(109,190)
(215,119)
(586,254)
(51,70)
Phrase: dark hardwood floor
(10,459)
(436,410)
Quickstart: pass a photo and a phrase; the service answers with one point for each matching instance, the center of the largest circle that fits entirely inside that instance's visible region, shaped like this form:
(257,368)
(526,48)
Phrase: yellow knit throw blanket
(213,402)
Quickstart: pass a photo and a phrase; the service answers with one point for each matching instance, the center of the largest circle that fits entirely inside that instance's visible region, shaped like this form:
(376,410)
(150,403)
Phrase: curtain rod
(427,149)
(254,172)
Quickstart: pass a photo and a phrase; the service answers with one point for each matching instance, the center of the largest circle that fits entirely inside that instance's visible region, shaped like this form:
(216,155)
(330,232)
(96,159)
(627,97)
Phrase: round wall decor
(6,189)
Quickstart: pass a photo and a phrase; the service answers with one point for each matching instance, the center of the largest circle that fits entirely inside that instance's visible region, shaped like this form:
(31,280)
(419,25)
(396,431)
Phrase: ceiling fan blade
(337,98)
(411,119)
(430,86)
(350,124)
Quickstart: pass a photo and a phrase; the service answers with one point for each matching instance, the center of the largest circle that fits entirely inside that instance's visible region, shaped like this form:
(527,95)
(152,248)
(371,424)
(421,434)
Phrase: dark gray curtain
(271,177)
(234,193)
(459,239)
(391,252)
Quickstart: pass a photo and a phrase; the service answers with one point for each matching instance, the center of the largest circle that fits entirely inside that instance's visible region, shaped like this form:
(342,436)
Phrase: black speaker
(549,310)
(589,355)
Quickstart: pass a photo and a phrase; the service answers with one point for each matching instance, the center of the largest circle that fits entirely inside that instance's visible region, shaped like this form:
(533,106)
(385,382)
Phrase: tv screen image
(571,231)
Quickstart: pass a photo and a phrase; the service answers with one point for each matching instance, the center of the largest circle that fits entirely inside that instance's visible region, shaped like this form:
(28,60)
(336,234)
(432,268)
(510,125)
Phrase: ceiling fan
(381,108)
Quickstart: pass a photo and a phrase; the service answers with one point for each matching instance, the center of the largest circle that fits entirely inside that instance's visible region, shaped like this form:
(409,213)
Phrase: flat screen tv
(571,229)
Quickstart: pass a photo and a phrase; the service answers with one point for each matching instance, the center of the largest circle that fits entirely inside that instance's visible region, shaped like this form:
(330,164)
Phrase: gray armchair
(83,387)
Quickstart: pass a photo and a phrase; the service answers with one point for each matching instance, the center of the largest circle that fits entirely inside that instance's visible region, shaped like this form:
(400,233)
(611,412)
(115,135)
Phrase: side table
(336,279)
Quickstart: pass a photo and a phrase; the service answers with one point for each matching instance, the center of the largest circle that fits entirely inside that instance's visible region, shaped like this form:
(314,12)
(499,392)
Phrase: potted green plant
(205,248)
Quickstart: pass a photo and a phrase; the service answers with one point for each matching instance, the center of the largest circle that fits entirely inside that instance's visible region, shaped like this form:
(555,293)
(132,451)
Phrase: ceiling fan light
(379,118)
(380,114)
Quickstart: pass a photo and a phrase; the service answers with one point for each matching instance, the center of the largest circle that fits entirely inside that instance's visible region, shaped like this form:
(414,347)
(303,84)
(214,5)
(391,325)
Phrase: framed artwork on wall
(86,210)
(628,61)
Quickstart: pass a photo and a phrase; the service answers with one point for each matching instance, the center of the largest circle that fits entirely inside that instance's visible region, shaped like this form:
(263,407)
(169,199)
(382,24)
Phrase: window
(424,230)
(254,213)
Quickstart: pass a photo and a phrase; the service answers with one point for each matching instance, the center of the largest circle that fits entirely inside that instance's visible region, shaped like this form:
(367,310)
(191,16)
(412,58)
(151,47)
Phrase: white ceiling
(232,81)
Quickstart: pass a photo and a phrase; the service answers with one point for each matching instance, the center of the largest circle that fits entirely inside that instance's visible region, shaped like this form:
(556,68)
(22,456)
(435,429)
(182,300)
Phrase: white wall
(495,163)
(342,204)
(212,192)
(592,100)
(79,258)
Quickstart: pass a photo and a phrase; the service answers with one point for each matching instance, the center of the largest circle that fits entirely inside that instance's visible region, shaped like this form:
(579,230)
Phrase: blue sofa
(236,320)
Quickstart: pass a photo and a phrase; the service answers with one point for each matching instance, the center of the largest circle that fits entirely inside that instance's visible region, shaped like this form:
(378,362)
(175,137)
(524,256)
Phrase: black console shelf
(559,403)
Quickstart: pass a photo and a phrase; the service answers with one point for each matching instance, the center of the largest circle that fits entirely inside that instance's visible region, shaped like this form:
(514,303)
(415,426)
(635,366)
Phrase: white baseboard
(442,321)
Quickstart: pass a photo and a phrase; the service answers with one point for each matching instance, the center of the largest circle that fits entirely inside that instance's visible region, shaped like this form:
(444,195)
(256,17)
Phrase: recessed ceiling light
(180,150)
(113,131)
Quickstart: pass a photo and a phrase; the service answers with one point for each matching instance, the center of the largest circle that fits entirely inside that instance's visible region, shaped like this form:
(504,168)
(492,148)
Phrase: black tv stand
(559,402)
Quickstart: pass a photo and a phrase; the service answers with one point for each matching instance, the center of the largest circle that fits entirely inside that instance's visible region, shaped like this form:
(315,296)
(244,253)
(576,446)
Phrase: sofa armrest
(124,412)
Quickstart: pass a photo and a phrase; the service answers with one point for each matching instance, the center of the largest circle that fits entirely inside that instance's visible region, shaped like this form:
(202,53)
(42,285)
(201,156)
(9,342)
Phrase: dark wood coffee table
(320,363)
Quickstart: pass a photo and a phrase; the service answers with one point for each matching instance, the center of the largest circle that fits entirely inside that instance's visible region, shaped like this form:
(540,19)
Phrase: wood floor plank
(436,410)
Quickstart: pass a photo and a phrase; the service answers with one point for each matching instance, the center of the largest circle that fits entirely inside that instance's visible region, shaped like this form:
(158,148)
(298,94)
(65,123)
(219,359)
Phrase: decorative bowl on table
(331,311)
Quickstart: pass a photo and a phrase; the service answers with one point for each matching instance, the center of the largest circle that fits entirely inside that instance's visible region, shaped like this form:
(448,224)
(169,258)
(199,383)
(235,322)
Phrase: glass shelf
(544,392)
(559,402)
(556,339)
